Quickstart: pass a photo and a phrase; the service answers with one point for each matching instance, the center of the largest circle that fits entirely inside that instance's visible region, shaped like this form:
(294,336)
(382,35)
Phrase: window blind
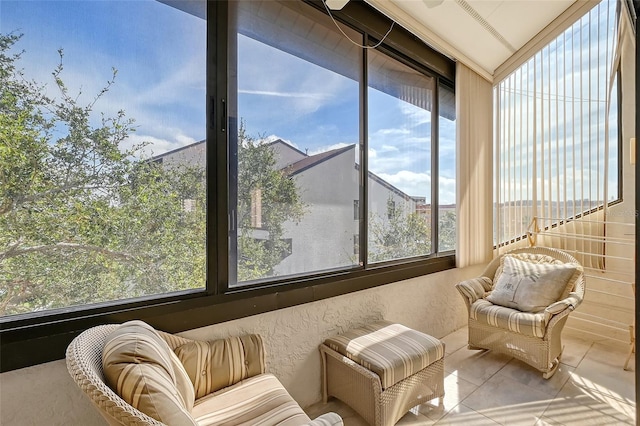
(556,130)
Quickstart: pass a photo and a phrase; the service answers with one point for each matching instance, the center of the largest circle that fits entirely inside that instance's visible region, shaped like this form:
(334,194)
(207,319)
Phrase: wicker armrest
(572,301)
(327,419)
(474,289)
(562,307)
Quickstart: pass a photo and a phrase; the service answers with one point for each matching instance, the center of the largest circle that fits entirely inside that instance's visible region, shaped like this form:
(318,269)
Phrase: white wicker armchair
(502,329)
(84,362)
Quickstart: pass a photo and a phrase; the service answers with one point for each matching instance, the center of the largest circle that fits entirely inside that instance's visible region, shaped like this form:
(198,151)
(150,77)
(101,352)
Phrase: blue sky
(159,53)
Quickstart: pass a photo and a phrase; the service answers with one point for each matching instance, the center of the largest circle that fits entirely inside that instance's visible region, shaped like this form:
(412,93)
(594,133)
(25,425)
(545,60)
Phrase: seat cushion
(530,286)
(258,400)
(216,364)
(392,351)
(526,323)
(140,367)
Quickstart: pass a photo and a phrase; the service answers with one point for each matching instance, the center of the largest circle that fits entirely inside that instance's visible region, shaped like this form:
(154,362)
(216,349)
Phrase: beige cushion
(531,287)
(216,364)
(392,351)
(141,368)
(526,323)
(259,400)
(474,288)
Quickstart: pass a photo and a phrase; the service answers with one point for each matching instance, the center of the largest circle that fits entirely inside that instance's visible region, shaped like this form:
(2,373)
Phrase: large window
(100,199)
(191,162)
(399,109)
(298,110)
(557,138)
(298,139)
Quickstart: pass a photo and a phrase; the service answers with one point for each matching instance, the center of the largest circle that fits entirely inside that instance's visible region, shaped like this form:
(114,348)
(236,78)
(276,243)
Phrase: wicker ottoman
(382,370)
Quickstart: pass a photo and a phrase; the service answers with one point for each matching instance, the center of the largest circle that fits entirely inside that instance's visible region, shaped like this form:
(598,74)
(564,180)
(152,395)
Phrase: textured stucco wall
(46,395)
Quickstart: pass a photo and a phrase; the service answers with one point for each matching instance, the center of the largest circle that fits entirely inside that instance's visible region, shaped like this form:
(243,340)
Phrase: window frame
(35,338)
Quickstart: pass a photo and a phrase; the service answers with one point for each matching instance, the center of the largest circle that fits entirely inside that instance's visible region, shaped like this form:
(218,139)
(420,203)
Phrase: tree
(82,219)
(261,182)
(447,230)
(403,234)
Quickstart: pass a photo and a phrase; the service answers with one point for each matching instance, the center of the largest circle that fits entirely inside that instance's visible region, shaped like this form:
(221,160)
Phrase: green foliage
(401,235)
(82,219)
(260,182)
(447,230)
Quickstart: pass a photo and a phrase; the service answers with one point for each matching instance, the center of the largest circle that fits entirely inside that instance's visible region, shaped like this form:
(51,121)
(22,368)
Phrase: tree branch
(15,251)
(16,203)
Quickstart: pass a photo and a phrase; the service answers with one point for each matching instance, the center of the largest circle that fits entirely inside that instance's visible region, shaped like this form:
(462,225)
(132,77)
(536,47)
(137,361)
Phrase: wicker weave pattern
(361,389)
(84,362)
(542,353)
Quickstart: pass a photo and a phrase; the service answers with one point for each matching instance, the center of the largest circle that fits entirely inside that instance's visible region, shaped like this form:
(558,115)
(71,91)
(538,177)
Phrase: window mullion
(435,172)
(364,157)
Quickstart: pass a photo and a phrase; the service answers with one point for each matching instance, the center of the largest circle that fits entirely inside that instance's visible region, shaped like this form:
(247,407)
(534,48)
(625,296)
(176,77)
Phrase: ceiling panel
(508,18)
(484,33)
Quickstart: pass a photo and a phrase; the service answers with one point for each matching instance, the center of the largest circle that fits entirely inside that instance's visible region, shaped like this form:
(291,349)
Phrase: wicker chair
(542,353)
(84,362)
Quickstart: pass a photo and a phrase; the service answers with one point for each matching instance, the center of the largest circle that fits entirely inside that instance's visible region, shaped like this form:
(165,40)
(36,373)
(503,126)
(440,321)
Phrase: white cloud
(314,96)
(415,115)
(155,146)
(411,183)
(268,72)
(326,148)
(273,138)
(389,148)
(392,132)
(447,189)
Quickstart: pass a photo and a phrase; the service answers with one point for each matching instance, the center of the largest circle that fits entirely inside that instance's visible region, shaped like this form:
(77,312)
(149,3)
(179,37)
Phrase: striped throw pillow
(213,365)
(141,367)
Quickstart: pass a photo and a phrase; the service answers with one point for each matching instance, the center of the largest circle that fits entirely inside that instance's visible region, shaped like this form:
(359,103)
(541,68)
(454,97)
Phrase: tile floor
(482,388)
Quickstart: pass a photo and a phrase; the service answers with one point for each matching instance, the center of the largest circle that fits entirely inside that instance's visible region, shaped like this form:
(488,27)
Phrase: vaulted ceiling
(483,34)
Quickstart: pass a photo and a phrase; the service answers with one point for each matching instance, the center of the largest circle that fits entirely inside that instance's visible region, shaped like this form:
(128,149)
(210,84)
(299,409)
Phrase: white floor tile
(456,390)
(508,402)
(456,340)
(574,349)
(462,415)
(473,365)
(527,375)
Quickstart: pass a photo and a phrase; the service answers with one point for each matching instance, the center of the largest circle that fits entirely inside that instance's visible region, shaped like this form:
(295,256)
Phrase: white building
(327,236)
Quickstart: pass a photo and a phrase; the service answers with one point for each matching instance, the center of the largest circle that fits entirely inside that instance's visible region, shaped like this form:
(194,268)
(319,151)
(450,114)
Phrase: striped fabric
(216,364)
(474,288)
(572,300)
(509,319)
(392,351)
(141,368)
(327,419)
(259,400)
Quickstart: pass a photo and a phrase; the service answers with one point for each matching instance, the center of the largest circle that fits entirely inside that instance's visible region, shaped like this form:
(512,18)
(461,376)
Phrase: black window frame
(35,338)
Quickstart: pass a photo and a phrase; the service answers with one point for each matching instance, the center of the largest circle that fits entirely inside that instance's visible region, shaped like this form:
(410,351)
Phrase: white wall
(46,395)
(323,239)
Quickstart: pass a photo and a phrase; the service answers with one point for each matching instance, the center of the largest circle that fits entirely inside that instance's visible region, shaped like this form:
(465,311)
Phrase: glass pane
(297,143)
(399,157)
(97,202)
(552,134)
(447,170)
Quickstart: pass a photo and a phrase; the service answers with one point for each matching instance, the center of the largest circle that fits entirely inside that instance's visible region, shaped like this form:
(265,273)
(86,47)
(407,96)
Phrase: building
(327,236)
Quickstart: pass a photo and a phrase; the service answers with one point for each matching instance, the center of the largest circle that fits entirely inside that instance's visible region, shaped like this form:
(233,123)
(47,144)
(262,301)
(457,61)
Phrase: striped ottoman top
(392,351)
